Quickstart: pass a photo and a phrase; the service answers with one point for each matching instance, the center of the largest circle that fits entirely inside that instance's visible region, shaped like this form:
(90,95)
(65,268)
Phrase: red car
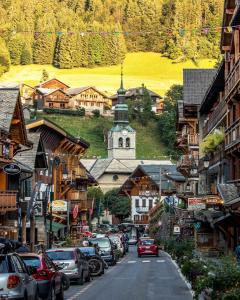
(48,278)
(147,247)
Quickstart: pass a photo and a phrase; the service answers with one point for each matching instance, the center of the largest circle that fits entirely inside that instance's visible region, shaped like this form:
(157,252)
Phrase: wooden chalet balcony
(232,136)
(187,162)
(8,201)
(216,117)
(193,139)
(78,195)
(232,81)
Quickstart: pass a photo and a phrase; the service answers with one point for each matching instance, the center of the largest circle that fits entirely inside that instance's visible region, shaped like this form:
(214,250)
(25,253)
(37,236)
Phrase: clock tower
(122,137)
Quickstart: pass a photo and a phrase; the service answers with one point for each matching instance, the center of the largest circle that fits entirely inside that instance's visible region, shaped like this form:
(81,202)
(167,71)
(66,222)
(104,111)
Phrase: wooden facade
(53,84)
(67,176)
(13,138)
(48,98)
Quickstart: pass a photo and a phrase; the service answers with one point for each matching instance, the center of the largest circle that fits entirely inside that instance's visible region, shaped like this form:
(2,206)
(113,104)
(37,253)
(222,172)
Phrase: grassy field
(92,130)
(156,72)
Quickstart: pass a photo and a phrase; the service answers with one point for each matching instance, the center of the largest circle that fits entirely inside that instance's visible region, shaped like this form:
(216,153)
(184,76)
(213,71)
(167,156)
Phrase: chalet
(51,98)
(87,97)
(195,84)
(13,140)
(66,176)
(145,186)
(53,84)
(136,93)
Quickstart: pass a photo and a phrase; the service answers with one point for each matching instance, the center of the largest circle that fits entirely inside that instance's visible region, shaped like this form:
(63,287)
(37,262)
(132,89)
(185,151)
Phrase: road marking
(146,261)
(161,261)
(131,261)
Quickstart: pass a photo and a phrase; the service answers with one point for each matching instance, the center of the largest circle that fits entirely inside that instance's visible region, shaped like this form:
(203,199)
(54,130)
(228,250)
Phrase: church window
(136,202)
(115,177)
(120,142)
(127,142)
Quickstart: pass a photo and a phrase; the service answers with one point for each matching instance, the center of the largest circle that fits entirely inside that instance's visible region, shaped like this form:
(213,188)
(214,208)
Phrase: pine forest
(88,33)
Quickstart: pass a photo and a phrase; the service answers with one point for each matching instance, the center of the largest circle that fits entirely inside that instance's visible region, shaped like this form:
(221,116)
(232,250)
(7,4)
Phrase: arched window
(120,142)
(127,142)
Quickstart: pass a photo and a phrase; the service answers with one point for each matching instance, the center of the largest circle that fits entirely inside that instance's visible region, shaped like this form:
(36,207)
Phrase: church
(113,171)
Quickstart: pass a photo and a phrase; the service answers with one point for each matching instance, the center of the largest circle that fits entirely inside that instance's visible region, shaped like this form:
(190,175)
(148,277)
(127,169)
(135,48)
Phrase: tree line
(51,31)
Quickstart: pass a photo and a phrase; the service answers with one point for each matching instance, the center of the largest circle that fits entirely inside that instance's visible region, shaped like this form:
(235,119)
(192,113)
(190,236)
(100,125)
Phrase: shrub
(212,141)
(79,112)
(96,113)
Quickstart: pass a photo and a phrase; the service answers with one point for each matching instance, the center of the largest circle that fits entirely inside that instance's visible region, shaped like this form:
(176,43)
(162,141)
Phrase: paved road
(146,278)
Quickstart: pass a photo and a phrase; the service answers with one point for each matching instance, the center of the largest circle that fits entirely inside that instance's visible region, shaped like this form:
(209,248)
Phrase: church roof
(97,167)
(119,128)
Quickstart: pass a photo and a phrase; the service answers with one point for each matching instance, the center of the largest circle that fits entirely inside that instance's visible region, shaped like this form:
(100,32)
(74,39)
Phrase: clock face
(124,132)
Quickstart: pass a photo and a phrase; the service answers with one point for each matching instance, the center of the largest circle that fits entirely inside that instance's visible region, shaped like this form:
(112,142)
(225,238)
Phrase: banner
(196,203)
(59,206)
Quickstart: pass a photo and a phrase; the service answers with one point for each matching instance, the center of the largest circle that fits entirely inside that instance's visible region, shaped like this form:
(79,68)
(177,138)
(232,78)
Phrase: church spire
(121,91)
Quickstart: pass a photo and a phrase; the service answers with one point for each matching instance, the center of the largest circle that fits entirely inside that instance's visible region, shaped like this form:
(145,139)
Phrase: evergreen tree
(45,75)
(26,55)
(43,48)
(146,114)
(15,46)
(5,60)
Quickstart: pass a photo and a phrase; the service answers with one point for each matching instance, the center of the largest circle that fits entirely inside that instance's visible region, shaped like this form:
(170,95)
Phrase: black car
(95,261)
(106,249)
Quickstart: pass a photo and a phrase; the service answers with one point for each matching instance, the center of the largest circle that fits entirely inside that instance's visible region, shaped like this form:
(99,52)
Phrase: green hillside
(155,71)
(93,129)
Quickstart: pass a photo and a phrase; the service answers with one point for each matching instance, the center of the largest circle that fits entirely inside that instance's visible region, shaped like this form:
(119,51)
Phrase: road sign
(197,225)
(11,169)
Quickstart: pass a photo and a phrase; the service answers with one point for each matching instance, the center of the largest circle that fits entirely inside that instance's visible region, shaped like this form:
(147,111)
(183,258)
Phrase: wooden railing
(78,195)
(233,79)
(193,139)
(187,161)
(217,115)
(8,201)
(232,135)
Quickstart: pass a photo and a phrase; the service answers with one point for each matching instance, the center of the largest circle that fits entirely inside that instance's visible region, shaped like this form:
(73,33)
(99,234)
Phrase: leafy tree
(146,113)
(167,120)
(118,205)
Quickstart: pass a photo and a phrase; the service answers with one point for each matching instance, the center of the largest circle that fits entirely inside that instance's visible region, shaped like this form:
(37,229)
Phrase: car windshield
(147,242)
(102,243)
(87,251)
(32,261)
(61,255)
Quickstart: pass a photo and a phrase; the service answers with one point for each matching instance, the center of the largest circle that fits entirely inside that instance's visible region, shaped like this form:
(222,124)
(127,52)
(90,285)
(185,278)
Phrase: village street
(133,278)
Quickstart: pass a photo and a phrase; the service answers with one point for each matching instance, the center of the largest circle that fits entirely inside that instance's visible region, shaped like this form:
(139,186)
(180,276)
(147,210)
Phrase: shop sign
(213,200)
(59,206)
(11,169)
(196,203)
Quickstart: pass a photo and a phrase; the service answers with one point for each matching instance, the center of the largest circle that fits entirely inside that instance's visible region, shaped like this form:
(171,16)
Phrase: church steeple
(121,109)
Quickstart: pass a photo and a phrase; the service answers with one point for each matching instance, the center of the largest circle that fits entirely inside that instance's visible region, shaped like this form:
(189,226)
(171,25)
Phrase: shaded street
(134,278)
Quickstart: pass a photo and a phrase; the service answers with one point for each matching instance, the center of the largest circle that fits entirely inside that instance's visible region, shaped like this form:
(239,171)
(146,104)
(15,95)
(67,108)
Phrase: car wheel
(80,280)
(65,282)
(139,255)
(157,255)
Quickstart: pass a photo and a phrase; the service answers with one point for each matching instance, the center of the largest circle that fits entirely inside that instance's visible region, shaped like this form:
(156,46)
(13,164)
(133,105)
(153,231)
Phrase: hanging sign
(75,211)
(196,203)
(12,169)
(59,205)
(176,229)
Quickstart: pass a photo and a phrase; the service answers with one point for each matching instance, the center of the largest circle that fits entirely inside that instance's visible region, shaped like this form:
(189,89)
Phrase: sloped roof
(98,167)
(228,192)
(78,90)
(195,84)
(29,157)
(138,91)
(8,100)
(49,80)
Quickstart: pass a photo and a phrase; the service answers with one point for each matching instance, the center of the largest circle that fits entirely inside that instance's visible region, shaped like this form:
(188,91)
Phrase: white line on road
(146,261)
(131,261)
(161,261)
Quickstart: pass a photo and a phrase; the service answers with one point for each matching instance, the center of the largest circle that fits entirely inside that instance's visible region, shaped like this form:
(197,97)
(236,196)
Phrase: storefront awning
(55,226)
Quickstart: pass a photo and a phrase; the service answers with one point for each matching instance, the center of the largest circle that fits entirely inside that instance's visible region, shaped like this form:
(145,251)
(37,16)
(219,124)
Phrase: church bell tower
(121,137)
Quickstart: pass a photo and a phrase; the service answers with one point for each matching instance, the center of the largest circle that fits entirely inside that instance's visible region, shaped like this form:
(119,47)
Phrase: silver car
(15,279)
(72,262)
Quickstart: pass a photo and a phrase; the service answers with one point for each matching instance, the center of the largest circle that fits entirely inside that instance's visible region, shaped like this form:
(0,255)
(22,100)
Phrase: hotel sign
(196,203)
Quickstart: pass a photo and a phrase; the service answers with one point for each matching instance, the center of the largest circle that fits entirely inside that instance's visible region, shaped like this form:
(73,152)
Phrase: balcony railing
(78,195)
(187,161)
(216,117)
(233,79)
(193,139)
(8,201)
(232,135)
(141,222)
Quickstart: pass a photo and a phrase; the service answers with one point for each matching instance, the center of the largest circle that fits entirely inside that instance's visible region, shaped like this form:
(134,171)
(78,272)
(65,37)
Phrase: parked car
(106,249)
(16,281)
(48,277)
(73,263)
(116,239)
(96,264)
(147,246)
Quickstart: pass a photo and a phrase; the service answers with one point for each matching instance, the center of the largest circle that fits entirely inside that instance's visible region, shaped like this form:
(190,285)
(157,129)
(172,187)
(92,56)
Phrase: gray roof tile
(8,99)
(195,84)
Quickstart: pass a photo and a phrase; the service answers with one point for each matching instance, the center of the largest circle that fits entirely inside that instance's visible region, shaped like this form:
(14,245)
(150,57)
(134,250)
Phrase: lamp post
(206,162)
(56,163)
